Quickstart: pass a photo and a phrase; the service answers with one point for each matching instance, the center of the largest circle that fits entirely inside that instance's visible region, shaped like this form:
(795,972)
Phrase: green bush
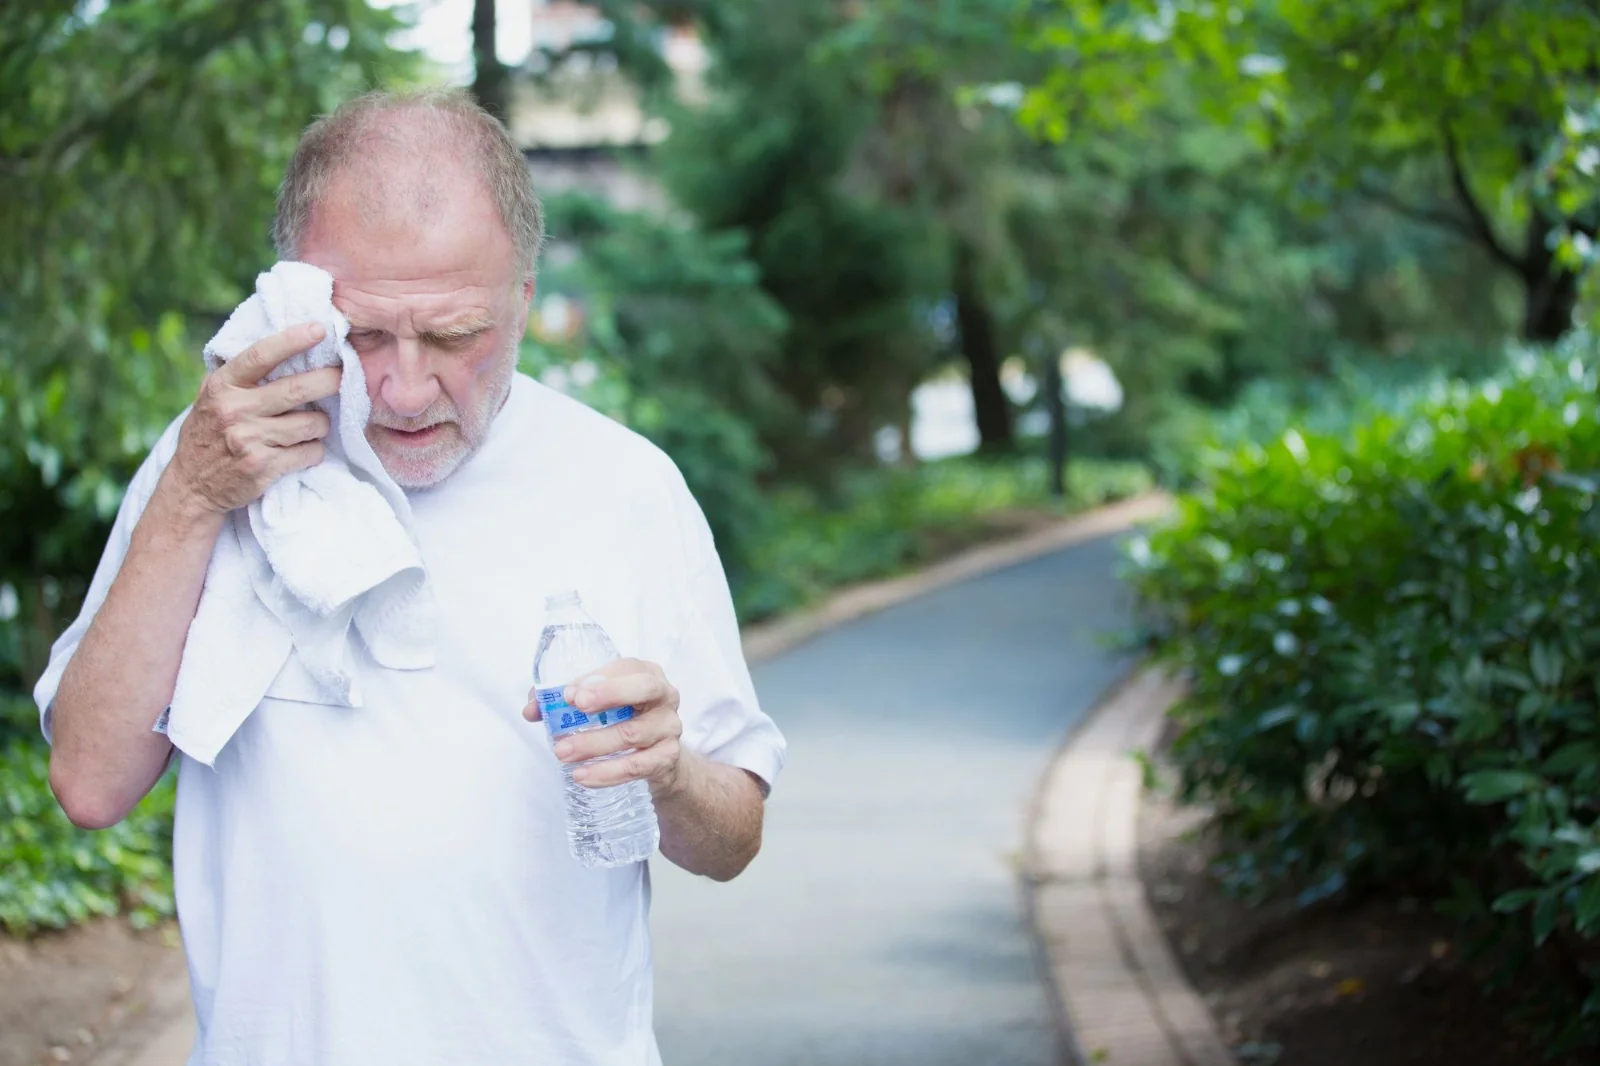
(1393,641)
(1355,388)
(882,521)
(19,718)
(53,874)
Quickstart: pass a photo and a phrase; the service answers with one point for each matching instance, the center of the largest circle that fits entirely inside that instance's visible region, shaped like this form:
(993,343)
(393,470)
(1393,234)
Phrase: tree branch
(91,124)
(1431,216)
(1465,228)
(1482,228)
(166,64)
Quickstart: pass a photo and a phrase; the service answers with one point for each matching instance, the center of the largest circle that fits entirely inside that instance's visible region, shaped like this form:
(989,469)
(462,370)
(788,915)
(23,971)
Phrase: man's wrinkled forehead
(449,270)
(428,214)
(450,312)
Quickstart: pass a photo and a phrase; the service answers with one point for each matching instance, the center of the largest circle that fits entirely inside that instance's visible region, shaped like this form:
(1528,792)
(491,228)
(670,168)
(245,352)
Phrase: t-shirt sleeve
(722,718)
(134,501)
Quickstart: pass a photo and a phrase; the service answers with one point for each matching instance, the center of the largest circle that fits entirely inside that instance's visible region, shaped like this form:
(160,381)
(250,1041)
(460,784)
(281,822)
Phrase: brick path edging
(1122,996)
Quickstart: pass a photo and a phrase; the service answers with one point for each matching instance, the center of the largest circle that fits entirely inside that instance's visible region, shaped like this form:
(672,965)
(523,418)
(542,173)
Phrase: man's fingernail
(563,749)
(316,332)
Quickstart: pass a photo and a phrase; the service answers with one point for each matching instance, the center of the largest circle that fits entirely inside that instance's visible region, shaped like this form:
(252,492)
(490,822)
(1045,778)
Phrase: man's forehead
(456,310)
(437,264)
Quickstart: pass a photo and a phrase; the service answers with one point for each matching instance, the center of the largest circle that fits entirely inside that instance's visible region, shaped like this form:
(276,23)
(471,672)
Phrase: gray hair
(436,117)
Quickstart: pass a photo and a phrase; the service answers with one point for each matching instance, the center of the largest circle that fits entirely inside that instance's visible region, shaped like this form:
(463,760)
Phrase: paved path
(882,924)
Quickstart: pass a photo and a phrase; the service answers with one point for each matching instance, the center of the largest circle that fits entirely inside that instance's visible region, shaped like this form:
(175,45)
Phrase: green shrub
(1355,388)
(53,874)
(1393,641)
(19,718)
(885,520)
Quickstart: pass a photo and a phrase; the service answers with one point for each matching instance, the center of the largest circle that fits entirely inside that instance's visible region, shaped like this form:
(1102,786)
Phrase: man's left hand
(652,733)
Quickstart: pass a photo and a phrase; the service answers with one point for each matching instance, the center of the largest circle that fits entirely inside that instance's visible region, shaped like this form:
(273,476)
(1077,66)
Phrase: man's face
(437,305)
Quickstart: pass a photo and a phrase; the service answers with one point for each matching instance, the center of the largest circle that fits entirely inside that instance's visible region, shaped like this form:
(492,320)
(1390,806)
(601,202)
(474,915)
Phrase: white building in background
(609,113)
(580,129)
(1090,382)
(581,124)
(943,422)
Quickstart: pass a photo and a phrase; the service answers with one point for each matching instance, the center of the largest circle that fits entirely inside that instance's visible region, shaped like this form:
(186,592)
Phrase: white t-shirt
(391,884)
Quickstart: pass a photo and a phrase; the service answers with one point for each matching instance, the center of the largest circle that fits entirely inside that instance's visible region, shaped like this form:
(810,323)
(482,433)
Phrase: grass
(882,522)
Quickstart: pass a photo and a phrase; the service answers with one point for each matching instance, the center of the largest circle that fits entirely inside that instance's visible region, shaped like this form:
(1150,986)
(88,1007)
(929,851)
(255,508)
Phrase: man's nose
(410,387)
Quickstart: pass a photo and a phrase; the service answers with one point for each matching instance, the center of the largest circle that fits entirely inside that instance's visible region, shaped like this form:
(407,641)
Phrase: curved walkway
(883,922)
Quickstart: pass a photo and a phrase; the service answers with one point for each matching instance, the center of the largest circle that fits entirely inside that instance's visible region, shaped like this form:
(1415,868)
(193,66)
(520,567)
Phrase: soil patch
(93,995)
(1382,984)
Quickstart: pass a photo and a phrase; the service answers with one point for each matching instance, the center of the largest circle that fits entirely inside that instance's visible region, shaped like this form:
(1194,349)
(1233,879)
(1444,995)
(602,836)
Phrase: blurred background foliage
(140,148)
(1301,235)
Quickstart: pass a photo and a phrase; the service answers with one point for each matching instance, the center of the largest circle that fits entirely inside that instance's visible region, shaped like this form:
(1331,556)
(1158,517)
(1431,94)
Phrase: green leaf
(1276,717)
(1404,714)
(1546,661)
(1515,678)
(1544,916)
(1571,757)
(1497,786)
(1515,900)
(1586,913)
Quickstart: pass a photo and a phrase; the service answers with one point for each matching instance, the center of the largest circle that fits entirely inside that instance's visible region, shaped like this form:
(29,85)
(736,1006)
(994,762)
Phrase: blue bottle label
(562,717)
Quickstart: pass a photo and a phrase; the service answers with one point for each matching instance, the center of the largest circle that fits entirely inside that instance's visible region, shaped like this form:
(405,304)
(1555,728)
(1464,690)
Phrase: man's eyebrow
(460,329)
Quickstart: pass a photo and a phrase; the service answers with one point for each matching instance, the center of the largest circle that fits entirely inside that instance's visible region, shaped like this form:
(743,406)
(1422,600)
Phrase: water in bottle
(609,826)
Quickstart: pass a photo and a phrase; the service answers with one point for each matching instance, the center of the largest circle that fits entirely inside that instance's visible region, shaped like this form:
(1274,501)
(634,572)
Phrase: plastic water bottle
(610,826)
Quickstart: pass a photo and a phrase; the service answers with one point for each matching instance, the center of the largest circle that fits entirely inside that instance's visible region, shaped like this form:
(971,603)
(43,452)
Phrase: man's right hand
(240,436)
(243,434)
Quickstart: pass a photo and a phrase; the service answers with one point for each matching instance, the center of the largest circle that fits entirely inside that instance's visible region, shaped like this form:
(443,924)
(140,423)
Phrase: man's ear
(525,310)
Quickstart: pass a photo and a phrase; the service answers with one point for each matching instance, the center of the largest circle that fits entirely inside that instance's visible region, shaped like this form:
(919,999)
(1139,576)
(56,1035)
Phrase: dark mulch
(1382,984)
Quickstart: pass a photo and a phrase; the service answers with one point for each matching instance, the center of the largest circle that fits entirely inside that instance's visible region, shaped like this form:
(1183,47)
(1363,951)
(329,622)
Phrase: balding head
(422,211)
(393,153)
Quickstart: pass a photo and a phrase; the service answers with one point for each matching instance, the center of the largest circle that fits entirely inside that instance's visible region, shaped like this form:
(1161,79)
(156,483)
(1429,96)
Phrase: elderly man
(391,884)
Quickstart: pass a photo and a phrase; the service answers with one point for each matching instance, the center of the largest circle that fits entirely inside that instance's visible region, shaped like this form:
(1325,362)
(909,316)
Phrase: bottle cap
(562,599)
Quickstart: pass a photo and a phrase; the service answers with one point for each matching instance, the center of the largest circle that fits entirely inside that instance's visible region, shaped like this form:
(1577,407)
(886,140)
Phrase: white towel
(324,551)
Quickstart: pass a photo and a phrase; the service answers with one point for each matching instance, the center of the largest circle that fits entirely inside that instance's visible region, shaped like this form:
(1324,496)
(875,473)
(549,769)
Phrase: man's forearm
(104,756)
(711,818)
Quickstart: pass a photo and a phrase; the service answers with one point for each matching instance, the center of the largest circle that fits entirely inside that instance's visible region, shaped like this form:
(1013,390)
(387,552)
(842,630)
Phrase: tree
(930,149)
(771,156)
(681,340)
(870,156)
(491,82)
(1165,243)
(1474,102)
